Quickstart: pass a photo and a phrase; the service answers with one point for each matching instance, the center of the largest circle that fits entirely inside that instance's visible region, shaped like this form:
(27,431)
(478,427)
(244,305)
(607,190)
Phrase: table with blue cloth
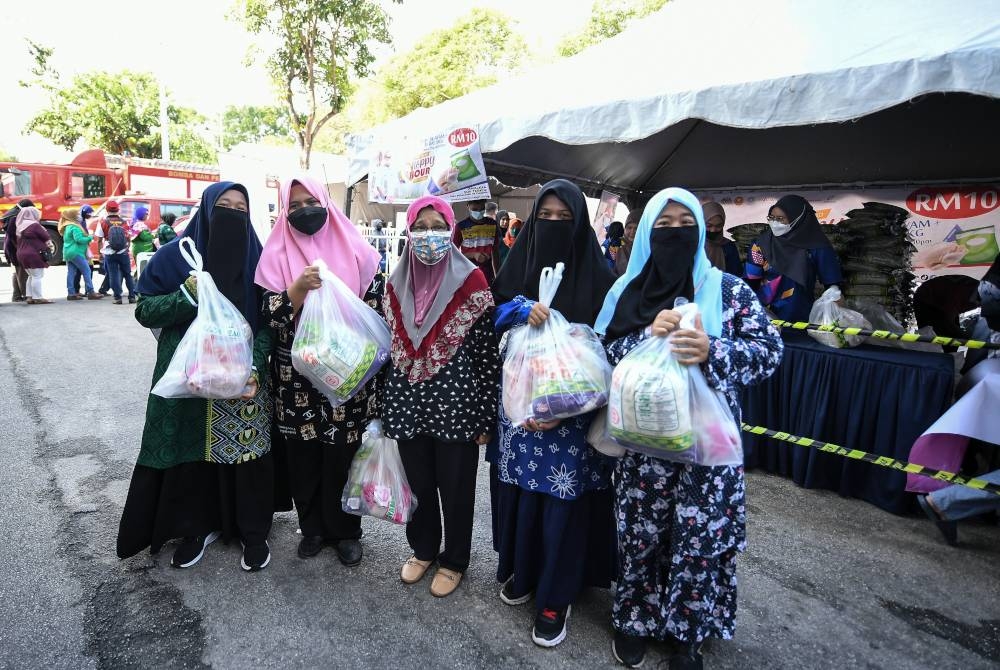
(870,398)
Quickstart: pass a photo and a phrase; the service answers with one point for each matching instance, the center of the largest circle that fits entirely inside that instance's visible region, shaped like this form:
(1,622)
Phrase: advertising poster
(605,213)
(447,164)
(955,229)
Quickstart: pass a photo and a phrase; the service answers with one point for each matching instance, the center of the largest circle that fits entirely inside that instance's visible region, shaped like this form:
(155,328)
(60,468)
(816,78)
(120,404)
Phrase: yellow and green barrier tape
(886,335)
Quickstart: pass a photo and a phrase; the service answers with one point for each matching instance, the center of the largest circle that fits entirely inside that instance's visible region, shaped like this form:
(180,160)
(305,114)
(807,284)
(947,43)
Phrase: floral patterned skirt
(680,528)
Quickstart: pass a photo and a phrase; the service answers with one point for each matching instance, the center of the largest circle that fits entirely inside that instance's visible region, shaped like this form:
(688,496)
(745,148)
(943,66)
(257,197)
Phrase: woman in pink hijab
(320,441)
(440,390)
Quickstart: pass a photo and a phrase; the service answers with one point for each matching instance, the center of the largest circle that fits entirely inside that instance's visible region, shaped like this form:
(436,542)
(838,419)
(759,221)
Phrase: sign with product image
(448,164)
(955,229)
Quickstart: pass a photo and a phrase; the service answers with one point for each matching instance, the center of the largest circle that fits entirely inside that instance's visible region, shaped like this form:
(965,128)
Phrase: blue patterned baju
(681,526)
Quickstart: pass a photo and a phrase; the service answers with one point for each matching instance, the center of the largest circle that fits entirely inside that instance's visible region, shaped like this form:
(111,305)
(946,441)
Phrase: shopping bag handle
(189,253)
(548,283)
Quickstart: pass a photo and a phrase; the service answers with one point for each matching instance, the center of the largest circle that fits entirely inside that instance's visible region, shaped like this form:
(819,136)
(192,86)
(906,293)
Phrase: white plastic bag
(340,342)
(377,484)
(214,359)
(826,312)
(665,409)
(554,371)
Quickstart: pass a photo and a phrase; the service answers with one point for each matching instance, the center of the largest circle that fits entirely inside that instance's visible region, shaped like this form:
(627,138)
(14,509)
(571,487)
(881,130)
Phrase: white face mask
(779,229)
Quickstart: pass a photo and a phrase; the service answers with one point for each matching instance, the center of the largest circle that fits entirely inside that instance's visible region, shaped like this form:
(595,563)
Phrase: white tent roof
(713,93)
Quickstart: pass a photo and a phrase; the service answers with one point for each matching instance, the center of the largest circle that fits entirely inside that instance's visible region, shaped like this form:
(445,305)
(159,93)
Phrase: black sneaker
(508,596)
(117,301)
(131,300)
(550,627)
(349,552)
(191,550)
(310,545)
(687,657)
(629,650)
(255,556)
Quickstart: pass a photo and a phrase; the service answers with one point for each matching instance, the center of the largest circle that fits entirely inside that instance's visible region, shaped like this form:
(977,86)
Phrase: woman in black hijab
(552,521)
(205,469)
(784,263)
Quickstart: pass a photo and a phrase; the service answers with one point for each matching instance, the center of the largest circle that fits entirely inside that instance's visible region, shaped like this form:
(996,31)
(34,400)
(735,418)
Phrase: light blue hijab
(707,279)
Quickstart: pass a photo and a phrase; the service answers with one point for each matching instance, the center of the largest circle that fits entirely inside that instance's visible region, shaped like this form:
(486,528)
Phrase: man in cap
(20,275)
(115,253)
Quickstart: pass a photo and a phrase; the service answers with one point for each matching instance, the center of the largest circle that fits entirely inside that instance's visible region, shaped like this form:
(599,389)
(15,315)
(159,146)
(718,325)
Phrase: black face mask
(308,220)
(225,255)
(714,237)
(555,232)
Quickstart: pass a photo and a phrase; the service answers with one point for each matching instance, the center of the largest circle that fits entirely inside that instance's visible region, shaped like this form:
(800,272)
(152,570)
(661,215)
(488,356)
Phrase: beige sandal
(414,570)
(445,582)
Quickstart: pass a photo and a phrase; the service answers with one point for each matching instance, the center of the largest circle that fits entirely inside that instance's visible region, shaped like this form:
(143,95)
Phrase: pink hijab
(288,252)
(424,291)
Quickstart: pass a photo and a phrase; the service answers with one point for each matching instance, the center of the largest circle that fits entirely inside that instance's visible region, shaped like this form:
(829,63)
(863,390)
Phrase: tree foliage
(249,123)
(119,113)
(478,49)
(321,45)
(607,19)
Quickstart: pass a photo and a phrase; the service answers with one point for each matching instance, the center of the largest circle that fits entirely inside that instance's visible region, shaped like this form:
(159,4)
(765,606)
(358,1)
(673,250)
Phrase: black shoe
(550,627)
(349,552)
(191,550)
(687,657)
(948,528)
(630,650)
(508,596)
(255,556)
(131,300)
(117,301)
(105,293)
(310,545)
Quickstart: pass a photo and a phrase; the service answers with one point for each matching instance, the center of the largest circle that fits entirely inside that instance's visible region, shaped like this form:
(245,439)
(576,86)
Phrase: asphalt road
(827,582)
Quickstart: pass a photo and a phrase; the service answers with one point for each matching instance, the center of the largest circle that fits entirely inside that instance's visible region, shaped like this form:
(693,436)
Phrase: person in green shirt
(165,233)
(142,240)
(205,468)
(75,243)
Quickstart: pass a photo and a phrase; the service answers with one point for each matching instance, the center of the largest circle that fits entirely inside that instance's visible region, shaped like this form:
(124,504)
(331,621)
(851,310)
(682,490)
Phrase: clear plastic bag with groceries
(214,358)
(340,342)
(663,408)
(556,370)
(377,485)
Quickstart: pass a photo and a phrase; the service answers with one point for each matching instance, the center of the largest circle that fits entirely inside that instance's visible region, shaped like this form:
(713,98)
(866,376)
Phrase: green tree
(321,44)
(119,113)
(607,19)
(249,123)
(7,157)
(477,50)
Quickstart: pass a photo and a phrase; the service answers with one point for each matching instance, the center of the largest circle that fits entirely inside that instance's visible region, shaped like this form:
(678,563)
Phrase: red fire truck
(93,178)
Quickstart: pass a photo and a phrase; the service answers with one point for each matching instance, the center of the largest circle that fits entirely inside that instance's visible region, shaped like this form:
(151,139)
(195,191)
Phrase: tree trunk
(305,152)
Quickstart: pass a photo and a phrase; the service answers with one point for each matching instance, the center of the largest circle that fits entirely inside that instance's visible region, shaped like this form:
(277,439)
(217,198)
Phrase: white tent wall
(732,94)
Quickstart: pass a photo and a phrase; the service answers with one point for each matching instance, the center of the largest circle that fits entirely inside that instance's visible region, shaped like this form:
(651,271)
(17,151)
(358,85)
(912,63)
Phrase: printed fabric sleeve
(277,310)
(513,313)
(753,351)
(164,311)
(828,266)
(374,298)
(485,352)
(755,262)
(618,349)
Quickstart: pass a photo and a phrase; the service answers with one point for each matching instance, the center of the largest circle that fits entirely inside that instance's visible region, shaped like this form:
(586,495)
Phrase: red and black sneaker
(550,627)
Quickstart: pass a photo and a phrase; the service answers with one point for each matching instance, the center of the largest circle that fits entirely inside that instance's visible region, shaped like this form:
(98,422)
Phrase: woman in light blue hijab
(680,526)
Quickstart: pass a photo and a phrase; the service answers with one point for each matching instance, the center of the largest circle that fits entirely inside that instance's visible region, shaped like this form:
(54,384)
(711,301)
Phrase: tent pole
(347,201)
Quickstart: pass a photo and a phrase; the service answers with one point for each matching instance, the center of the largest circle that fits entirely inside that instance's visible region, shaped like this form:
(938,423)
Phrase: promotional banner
(448,164)
(954,228)
(605,213)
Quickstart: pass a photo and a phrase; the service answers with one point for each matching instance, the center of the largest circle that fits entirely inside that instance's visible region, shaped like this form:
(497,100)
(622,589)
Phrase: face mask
(308,220)
(552,233)
(779,229)
(475,215)
(430,247)
(713,236)
(674,246)
(224,216)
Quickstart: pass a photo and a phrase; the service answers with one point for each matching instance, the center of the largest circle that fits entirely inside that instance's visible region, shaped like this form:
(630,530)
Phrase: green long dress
(204,465)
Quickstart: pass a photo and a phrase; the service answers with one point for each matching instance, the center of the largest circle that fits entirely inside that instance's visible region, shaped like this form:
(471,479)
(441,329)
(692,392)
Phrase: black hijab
(542,244)
(229,248)
(667,275)
(789,253)
(616,230)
